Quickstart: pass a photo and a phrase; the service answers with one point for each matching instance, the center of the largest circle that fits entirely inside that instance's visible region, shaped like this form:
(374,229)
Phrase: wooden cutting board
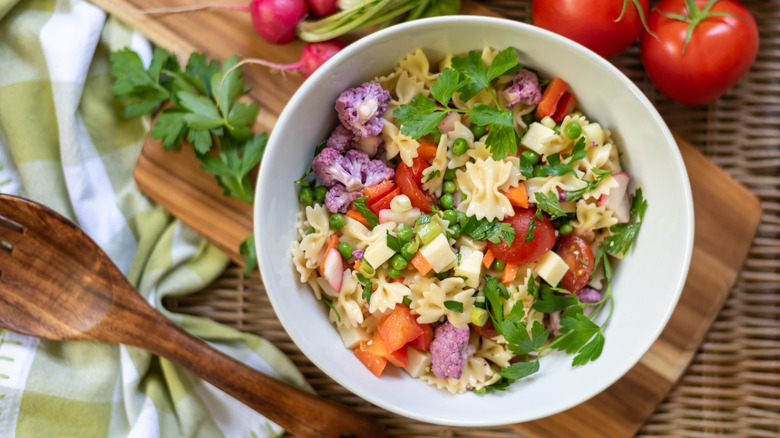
(722,239)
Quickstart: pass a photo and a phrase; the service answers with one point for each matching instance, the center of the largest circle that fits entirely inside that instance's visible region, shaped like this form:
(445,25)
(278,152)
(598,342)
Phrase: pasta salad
(461,221)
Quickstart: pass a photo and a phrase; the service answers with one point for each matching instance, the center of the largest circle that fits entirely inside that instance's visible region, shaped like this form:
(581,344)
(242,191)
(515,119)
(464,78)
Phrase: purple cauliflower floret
(358,254)
(369,145)
(332,169)
(337,199)
(346,175)
(524,89)
(340,138)
(360,109)
(449,351)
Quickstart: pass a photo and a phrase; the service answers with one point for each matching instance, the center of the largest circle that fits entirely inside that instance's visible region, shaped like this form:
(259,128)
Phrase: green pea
(311,230)
(449,174)
(479,131)
(539,172)
(565,229)
(573,130)
(448,187)
(531,156)
(398,261)
(460,146)
(306,196)
(337,221)
(345,249)
(404,232)
(395,273)
(447,201)
(451,216)
(409,250)
(455,231)
(319,194)
(498,265)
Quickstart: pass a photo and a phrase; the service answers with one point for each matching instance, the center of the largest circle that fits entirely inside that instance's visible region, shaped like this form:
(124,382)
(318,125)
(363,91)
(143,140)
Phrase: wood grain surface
(721,242)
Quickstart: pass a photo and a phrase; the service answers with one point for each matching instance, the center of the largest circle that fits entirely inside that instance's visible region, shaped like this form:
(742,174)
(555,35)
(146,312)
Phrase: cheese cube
(551,268)
(593,133)
(378,252)
(534,136)
(439,254)
(419,363)
(470,266)
(352,336)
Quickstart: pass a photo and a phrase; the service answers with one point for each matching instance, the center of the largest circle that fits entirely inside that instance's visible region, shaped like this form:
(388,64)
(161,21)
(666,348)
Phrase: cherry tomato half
(408,180)
(521,252)
(577,254)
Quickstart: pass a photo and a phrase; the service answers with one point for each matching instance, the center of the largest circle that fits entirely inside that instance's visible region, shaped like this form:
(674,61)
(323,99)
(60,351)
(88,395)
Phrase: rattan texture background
(732,387)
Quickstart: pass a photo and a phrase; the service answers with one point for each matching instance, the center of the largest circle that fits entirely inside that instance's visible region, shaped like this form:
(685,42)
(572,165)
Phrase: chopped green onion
(428,231)
(479,316)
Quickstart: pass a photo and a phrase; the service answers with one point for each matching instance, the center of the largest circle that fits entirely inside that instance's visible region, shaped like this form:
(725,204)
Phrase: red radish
(313,56)
(333,269)
(617,198)
(323,8)
(277,20)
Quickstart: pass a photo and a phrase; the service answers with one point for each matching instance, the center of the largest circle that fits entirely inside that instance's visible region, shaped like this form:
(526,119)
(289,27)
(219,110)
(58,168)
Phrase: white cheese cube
(352,336)
(593,133)
(470,266)
(439,254)
(534,136)
(378,252)
(419,362)
(551,268)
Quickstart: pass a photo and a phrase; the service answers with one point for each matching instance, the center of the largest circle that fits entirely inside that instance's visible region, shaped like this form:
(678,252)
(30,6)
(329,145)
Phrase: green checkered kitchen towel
(64,144)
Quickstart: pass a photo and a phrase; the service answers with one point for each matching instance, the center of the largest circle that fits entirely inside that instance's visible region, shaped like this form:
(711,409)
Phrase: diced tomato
(427,151)
(375,363)
(377,345)
(408,180)
(550,97)
(423,342)
(376,192)
(565,107)
(522,251)
(576,252)
(399,328)
(384,202)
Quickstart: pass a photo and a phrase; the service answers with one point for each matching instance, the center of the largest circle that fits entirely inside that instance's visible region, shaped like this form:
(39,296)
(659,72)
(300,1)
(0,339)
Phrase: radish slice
(333,268)
(617,198)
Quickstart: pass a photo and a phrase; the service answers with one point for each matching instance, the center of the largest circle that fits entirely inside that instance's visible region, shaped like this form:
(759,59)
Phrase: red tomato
(408,180)
(521,252)
(720,51)
(596,24)
(577,254)
(384,202)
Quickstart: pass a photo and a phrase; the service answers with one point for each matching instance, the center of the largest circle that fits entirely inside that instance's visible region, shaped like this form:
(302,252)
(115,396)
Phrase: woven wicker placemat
(732,387)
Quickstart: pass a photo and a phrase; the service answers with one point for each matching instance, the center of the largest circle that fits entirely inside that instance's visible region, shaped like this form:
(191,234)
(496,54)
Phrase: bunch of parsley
(468,76)
(200,105)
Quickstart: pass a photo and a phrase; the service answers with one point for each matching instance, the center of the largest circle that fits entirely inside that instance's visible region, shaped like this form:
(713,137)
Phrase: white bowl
(646,285)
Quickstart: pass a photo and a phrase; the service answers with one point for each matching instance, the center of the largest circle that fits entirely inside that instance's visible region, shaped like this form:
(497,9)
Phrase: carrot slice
(427,151)
(518,196)
(374,363)
(510,272)
(377,191)
(550,97)
(487,259)
(421,263)
(358,217)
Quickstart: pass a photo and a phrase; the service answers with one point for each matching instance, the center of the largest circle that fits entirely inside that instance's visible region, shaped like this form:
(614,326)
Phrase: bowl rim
(360,44)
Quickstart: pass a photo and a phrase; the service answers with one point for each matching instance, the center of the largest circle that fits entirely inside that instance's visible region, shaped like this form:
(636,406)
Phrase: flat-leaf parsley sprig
(468,76)
(199,104)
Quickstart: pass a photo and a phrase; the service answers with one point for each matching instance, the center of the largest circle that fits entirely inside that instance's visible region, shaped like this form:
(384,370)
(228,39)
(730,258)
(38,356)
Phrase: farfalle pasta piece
(428,301)
(313,243)
(590,217)
(492,351)
(397,143)
(419,67)
(406,88)
(433,175)
(357,235)
(554,184)
(348,303)
(481,182)
(459,131)
(387,293)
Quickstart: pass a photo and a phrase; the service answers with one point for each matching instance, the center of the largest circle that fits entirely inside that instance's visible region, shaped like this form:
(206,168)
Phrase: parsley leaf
(501,138)
(420,117)
(519,370)
(368,287)
(550,302)
(394,242)
(591,185)
(623,235)
(550,204)
(483,229)
(362,208)
(445,86)
(455,306)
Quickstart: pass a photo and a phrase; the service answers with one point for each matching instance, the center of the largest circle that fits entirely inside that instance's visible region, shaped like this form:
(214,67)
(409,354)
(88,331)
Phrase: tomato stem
(695,17)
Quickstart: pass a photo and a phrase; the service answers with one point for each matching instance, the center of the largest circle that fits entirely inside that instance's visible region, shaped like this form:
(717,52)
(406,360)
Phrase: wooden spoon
(56,283)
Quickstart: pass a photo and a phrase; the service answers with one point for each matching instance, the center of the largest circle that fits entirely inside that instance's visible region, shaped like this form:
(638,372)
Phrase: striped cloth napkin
(63,143)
